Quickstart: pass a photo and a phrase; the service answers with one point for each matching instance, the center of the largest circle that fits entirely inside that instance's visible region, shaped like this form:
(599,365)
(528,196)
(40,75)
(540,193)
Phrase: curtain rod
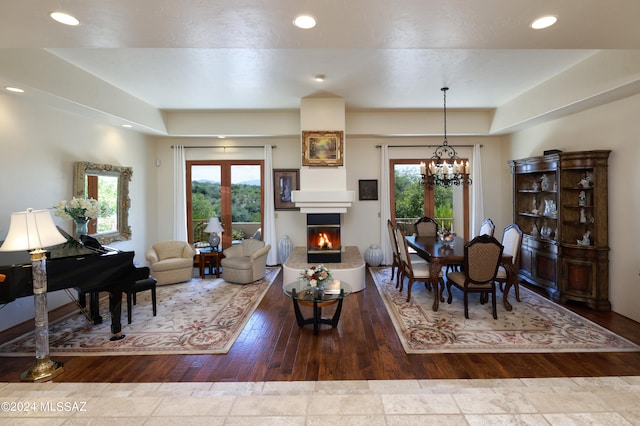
(427,146)
(225,146)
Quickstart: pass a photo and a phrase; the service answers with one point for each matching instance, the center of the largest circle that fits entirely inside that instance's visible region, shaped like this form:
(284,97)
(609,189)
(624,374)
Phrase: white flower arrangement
(316,275)
(77,209)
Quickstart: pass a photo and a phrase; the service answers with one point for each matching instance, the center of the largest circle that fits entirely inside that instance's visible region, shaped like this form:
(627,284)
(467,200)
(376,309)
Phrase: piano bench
(137,287)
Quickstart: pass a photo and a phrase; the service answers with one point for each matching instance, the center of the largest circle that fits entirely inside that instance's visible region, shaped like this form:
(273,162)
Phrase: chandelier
(445,167)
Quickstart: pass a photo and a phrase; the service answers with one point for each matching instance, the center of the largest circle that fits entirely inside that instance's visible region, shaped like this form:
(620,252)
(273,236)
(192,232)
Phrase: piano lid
(87,272)
(71,248)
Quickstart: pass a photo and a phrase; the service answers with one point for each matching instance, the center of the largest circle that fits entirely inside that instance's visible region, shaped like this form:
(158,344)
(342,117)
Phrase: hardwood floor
(363,347)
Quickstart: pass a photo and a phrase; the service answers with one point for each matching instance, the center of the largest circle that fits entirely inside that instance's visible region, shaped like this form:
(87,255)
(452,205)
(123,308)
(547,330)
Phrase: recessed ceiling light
(544,22)
(14,89)
(64,18)
(305,22)
(128,126)
(319,77)
(222,137)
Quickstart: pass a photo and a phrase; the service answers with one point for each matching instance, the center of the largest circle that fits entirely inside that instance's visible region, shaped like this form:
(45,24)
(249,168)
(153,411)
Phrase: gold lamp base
(43,370)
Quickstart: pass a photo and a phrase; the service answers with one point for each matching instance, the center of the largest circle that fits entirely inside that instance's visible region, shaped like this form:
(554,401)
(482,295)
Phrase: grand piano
(89,268)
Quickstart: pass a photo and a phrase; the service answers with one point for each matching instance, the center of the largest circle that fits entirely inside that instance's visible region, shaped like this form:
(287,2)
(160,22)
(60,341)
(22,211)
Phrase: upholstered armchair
(171,261)
(245,262)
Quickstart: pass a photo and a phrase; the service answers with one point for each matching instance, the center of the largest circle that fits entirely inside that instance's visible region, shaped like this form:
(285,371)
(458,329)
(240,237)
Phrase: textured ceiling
(239,54)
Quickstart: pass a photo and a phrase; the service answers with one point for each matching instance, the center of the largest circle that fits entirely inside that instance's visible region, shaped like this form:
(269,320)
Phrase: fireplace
(323,238)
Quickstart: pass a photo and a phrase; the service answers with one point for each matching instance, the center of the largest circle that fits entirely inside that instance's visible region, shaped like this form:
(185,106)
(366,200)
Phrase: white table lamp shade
(214,225)
(32,229)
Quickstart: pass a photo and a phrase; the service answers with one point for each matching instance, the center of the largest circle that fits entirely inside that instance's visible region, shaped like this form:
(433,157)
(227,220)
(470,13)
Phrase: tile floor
(556,401)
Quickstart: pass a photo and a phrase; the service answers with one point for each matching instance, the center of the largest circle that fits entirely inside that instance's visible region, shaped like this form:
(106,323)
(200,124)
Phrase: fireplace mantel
(323,201)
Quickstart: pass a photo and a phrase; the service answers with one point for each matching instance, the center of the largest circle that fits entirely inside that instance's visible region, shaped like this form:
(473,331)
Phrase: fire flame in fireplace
(324,241)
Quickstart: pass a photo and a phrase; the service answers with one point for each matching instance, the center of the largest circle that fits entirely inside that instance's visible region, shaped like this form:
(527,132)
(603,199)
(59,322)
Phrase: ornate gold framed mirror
(110,186)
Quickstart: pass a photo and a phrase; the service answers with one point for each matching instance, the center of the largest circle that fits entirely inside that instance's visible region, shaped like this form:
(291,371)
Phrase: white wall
(613,126)
(39,147)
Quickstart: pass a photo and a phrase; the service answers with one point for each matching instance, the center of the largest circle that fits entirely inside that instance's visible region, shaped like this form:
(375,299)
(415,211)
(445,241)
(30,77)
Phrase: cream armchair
(245,262)
(171,261)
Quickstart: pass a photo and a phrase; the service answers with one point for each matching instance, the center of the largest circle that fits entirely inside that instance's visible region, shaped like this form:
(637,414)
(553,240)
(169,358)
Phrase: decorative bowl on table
(447,238)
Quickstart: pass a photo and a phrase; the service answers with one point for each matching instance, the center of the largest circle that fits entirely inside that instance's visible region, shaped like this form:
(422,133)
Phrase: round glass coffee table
(303,294)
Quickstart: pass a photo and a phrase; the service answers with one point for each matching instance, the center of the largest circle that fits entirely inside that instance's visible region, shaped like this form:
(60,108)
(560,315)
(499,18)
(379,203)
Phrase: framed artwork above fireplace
(322,148)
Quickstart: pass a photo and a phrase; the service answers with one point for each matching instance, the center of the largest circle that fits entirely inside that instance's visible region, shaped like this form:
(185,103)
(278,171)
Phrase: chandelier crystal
(445,167)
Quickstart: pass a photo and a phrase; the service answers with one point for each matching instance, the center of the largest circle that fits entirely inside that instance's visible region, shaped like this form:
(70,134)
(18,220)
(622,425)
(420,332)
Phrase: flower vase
(81,228)
(318,291)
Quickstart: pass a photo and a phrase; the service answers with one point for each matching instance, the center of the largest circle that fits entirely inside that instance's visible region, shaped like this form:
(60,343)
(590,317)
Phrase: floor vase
(373,255)
(285,247)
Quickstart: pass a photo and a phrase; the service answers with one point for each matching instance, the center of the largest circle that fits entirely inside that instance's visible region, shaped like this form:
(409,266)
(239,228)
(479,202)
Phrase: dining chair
(414,271)
(512,242)
(487,227)
(426,227)
(481,260)
(397,262)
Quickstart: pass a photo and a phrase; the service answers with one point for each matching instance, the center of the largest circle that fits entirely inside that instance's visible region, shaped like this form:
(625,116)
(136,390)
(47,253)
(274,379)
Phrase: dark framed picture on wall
(285,181)
(368,189)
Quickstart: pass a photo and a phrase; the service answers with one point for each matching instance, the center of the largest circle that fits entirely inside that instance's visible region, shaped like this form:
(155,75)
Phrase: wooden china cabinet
(560,201)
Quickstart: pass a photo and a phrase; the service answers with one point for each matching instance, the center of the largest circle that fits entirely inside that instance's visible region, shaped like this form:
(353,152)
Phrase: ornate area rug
(534,325)
(201,316)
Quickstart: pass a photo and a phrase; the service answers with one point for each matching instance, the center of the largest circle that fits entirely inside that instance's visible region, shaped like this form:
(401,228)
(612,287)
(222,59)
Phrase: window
(105,190)
(449,206)
(230,190)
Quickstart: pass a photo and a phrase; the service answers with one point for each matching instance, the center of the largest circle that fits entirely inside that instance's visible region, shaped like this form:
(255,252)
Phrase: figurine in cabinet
(582,199)
(550,209)
(534,230)
(586,239)
(585,182)
(544,183)
(583,216)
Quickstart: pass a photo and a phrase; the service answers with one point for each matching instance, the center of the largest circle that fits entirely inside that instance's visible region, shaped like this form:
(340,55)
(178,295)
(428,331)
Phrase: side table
(208,256)
(303,294)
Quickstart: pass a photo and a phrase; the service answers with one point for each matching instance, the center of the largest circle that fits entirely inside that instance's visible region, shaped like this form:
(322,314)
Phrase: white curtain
(477,204)
(385,206)
(179,194)
(269,231)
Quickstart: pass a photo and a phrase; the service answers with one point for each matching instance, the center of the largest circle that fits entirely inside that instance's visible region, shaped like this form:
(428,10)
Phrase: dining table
(440,254)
